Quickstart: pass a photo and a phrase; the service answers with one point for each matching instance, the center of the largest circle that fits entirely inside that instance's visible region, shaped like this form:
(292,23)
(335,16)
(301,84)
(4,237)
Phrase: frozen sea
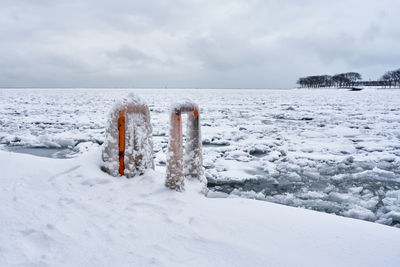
(329,150)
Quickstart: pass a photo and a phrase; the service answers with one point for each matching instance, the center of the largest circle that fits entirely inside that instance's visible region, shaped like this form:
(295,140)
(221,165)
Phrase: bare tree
(387,79)
(316,81)
(341,80)
(352,77)
(396,77)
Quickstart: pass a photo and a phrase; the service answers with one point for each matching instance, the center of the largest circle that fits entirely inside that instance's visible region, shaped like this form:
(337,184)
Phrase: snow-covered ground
(69,213)
(329,150)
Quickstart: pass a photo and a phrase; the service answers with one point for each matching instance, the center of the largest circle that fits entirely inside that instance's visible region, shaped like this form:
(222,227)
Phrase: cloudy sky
(193,43)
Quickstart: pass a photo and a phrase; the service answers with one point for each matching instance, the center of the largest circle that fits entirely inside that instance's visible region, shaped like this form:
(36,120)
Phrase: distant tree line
(350,79)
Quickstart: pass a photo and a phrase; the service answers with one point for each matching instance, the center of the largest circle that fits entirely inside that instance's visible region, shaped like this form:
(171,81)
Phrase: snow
(303,148)
(67,212)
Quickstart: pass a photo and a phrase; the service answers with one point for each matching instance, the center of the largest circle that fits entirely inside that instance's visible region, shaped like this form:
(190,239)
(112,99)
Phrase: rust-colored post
(128,145)
(193,147)
(121,141)
(175,152)
(191,167)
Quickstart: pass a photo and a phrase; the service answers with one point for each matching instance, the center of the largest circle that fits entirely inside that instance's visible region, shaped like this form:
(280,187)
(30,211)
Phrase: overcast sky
(193,43)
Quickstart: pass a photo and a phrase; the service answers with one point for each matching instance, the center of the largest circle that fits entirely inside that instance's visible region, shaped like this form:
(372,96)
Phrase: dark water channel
(59,153)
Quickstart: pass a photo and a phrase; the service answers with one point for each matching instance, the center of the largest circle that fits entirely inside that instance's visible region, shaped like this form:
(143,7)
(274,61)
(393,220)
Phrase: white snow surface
(329,150)
(69,213)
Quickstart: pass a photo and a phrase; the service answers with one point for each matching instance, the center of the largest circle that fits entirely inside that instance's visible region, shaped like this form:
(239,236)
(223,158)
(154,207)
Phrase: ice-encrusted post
(189,165)
(128,147)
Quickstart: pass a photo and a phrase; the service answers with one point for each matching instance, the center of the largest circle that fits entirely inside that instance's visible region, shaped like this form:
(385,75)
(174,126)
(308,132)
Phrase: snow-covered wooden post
(189,165)
(128,147)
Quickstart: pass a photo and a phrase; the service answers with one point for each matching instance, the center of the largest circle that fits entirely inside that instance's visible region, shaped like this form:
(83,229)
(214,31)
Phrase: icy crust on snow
(328,150)
(138,138)
(70,213)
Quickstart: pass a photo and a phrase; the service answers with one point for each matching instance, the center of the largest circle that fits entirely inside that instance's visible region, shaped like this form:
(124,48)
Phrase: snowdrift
(67,212)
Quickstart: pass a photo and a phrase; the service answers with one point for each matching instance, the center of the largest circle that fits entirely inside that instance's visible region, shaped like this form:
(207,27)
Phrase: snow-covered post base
(189,165)
(128,146)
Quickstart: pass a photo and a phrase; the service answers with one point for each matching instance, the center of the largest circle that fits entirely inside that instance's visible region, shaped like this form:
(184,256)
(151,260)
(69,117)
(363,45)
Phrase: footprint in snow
(92,182)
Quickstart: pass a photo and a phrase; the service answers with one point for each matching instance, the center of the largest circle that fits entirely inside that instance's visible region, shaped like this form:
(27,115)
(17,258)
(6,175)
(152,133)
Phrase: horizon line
(145,87)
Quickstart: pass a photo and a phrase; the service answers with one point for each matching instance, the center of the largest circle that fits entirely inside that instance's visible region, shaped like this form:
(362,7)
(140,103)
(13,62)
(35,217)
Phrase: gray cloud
(193,43)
